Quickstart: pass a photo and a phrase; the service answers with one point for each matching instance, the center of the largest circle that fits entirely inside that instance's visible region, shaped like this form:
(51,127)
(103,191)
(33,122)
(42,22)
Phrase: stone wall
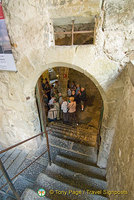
(29,31)
(70,8)
(84,81)
(117,42)
(114,95)
(120,173)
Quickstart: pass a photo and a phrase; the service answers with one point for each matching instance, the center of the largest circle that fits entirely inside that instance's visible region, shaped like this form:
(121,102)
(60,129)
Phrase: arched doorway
(90,120)
(102,71)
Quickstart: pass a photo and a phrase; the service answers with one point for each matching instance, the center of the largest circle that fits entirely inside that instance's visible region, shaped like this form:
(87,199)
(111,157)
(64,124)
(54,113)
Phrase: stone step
(90,159)
(20,184)
(73,126)
(78,167)
(72,176)
(14,166)
(85,159)
(72,146)
(5,159)
(74,138)
(7,155)
(75,179)
(76,130)
(48,186)
(4,196)
(32,172)
(62,191)
(9,158)
(66,126)
(76,134)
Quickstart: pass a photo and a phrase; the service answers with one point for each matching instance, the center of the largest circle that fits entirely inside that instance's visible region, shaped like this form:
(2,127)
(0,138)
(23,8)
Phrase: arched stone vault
(85,58)
(25,123)
(100,70)
(86,73)
(79,68)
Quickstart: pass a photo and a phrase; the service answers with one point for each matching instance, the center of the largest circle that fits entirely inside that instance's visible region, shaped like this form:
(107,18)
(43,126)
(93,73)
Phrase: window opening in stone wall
(74,34)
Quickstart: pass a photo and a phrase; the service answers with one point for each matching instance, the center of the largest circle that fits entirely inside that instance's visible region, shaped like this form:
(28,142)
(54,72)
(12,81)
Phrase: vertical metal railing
(72,32)
(100,125)
(48,148)
(9,180)
(2,168)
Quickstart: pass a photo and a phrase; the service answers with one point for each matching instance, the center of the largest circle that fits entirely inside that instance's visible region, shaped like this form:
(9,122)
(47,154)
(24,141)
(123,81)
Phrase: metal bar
(72,32)
(95,28)
(60,33)
(21,143)
(79,32)
(75,32)
(100,125)
(41,104)
(9,164)
(38,100)
(9,180)
(48,147)
(23,169)
(43,112)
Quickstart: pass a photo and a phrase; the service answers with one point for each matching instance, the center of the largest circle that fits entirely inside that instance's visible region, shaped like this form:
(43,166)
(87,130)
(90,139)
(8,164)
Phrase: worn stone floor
(78,133)
(62,138)
(16,160)
(73,168)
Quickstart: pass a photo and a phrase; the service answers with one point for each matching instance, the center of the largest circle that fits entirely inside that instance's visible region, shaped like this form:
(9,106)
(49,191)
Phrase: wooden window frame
(73,32)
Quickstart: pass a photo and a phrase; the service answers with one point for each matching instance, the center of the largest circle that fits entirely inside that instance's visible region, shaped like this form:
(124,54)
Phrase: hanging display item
(6,57)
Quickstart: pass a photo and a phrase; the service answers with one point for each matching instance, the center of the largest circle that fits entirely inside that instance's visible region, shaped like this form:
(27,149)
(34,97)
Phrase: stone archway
(77,68)
(87,74)
(103,72)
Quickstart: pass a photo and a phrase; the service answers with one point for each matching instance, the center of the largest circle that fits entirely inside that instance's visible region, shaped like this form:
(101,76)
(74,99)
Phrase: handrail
(4,150)
(9,181)
(23,170)
(100,125)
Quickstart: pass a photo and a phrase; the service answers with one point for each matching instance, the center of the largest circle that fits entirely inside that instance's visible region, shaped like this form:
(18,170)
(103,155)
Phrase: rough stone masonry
(30,28)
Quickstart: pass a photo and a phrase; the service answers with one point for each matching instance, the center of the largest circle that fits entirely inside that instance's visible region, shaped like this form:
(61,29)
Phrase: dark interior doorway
(90,119)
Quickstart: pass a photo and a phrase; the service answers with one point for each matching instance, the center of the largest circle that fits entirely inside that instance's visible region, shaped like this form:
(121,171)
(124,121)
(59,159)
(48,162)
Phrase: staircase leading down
(83,134)
(73,174)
